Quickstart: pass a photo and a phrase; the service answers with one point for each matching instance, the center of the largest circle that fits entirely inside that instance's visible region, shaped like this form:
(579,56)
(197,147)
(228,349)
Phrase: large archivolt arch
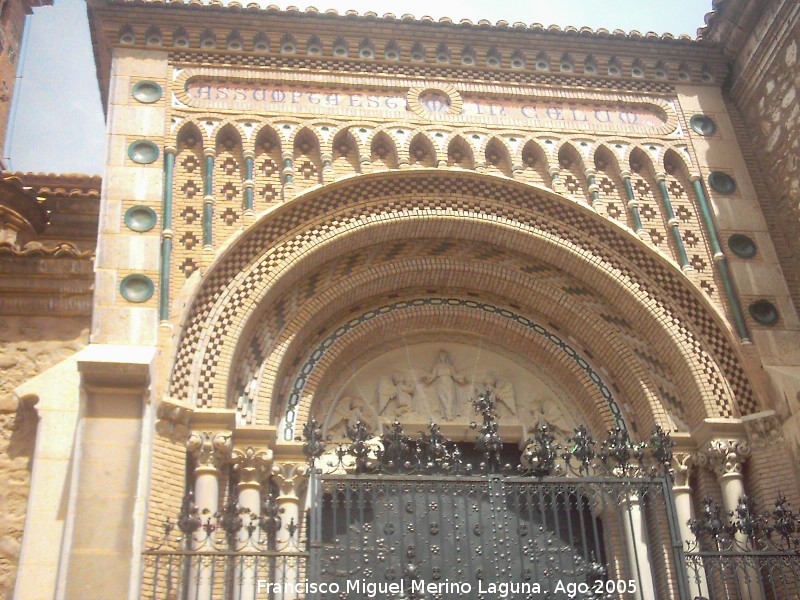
(597,259)
(341,287)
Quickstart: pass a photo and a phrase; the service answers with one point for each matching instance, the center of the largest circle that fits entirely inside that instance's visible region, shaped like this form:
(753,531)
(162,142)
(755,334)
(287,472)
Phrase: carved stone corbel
(683,461)
(172,419)
(764,430)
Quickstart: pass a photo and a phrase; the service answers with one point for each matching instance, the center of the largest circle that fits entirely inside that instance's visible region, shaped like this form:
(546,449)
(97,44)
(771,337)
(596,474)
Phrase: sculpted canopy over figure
(547,411)
(444,378)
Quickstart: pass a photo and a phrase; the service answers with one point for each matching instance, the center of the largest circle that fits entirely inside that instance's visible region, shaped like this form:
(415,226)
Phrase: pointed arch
(188,209)
(346,160)
(383,152)
(268,167)
(534,163)
(573,172)
(498,158)
(307,159)
(459,154)
(645,188)
(610,185)
(421,152)
(228,182)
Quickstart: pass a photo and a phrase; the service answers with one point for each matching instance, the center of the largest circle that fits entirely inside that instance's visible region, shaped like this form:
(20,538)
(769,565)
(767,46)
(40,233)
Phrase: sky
(58,123)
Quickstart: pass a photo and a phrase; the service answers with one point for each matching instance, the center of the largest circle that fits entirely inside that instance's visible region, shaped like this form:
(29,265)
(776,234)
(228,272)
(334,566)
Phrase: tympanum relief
(437,382)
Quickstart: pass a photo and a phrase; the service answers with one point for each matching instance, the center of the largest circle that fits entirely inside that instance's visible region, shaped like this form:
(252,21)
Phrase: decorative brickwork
(763,45)
(324,151)
(375,217)
(214,356)
(311,304)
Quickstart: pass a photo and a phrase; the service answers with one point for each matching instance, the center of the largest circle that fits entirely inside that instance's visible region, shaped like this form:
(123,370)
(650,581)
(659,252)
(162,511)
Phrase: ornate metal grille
(393,517)
(479,536)
(414,518)
(745,555)
(232,554)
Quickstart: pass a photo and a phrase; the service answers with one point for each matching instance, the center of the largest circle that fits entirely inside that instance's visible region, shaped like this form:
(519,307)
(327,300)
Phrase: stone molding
(117,367)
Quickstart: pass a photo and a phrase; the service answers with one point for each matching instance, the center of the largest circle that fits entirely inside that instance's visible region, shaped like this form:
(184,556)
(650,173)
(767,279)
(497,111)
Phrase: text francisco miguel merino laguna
(371,589)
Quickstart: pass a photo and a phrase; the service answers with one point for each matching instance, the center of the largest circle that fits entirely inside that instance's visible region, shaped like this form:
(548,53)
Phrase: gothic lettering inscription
(566,114)
(533,111)
(269,98)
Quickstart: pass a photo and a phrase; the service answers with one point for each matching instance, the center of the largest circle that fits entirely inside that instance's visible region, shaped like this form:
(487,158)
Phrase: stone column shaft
(726,458)
(210,450)
(251,464)
(639,565)
(682,464)
(291,481)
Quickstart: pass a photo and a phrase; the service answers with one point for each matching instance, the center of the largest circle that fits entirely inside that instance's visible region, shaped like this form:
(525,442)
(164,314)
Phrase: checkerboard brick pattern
(618,265)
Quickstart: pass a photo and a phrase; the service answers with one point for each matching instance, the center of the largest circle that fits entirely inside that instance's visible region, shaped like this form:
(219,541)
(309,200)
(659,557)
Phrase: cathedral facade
(322,234)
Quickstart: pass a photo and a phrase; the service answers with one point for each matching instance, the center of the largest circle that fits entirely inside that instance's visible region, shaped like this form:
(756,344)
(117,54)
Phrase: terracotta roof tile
(234,5)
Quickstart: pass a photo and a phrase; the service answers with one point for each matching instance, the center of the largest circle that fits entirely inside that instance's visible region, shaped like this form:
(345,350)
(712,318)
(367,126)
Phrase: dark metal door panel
(402,537)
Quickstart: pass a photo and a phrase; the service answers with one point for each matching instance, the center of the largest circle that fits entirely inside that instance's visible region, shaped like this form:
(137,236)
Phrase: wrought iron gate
(396,517)
(471,537)
(745,555)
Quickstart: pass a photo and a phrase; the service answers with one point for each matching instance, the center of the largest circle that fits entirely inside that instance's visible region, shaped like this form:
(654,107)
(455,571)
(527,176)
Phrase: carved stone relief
(436,381)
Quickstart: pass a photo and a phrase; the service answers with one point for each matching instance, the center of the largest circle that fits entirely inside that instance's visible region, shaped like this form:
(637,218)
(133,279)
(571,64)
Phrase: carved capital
(764,432)
(251,464)
(172,419)
(682,463)
(211,449)
(290,478)
(724,456)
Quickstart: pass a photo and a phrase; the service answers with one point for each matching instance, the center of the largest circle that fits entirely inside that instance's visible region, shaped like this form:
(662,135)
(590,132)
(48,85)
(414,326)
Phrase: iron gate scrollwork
(745,554)
(396,517)
(393,517)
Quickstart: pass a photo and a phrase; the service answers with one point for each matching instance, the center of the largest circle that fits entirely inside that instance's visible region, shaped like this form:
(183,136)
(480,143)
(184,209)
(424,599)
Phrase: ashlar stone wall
(28,346)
